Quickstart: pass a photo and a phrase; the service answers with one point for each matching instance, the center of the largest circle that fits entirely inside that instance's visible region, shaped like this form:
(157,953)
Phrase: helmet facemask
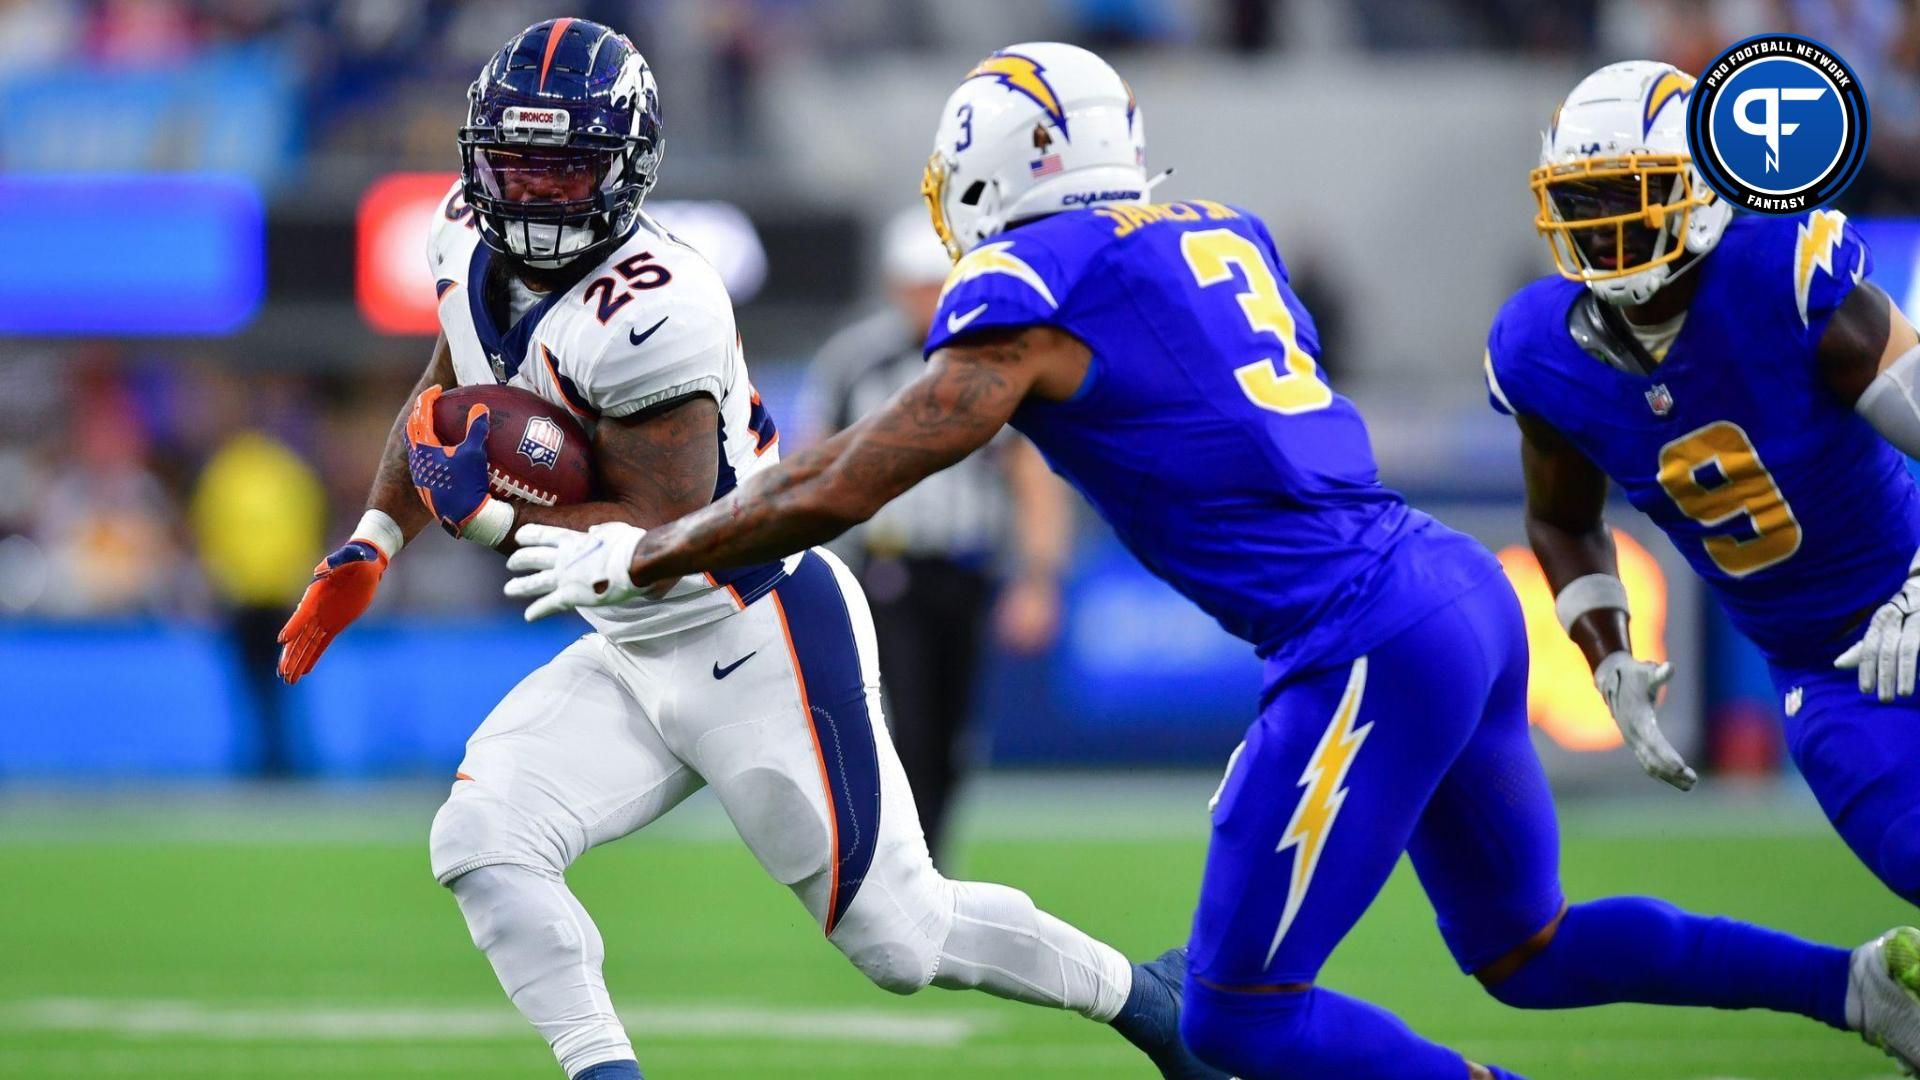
(1618,224)
(548,204)
(553,173)
(963,222)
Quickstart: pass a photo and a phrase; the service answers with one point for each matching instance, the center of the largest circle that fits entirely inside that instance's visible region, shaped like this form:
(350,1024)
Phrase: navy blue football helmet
(562,142)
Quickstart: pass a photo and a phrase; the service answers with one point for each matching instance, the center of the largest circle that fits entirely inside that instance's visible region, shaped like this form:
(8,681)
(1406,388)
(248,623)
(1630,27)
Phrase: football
(536,451)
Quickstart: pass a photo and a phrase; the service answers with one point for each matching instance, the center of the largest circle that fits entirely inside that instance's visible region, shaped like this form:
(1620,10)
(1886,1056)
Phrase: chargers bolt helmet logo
(541,441)
(1024,75)
(1777,124)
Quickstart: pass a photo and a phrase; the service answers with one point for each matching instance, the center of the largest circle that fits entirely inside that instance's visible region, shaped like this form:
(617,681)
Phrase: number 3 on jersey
(1212,255)
(1714,475)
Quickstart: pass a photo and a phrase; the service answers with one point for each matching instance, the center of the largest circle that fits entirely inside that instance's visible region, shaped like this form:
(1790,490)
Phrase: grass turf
(200,960)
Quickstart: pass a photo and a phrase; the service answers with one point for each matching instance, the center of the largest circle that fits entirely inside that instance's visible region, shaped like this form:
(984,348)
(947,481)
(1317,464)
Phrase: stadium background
(213,219)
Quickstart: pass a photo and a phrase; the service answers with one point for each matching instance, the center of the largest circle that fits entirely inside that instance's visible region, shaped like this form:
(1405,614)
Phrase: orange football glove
(343,586)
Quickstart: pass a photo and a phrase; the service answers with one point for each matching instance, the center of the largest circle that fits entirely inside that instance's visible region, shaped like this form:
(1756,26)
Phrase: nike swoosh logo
(722,672)
(957,322)
(636,336)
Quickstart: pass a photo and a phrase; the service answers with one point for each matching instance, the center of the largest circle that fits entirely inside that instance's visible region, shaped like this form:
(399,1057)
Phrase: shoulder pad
(1829,259)
(1009,281)
(451,235)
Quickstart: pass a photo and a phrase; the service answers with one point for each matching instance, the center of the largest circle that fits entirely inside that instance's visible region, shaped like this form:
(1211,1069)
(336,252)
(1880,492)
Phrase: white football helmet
(1033,129)
(1619,198)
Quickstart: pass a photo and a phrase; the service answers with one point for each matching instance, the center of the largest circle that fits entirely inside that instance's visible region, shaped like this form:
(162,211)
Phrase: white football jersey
(652,322)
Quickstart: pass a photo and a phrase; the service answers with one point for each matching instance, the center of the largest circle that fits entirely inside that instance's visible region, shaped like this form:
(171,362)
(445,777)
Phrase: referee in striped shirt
(985,539)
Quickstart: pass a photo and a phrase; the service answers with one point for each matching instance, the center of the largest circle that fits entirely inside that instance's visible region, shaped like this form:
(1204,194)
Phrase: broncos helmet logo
(1023,75)
(1668,87)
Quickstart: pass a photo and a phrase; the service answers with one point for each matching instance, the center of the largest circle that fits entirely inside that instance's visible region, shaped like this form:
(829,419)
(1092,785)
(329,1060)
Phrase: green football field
(265,948)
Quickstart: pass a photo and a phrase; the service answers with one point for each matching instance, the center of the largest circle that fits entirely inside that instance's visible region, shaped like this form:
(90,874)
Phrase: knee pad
(473,828)
(1898,861)
(895,931)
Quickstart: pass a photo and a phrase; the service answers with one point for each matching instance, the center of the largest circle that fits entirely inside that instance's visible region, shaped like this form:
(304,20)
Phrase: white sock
(547,954)
(1002,944)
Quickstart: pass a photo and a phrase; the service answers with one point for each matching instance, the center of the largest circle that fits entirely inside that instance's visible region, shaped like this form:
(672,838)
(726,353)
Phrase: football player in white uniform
(761,683)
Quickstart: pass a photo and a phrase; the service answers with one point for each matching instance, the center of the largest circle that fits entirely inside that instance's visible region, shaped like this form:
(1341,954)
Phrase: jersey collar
(505,350)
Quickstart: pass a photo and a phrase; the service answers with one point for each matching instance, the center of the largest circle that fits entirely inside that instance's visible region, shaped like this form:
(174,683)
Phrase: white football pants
(777,707)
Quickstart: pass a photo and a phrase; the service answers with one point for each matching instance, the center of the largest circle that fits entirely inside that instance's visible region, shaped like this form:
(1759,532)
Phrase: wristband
(492,523)
(1590,593)
(379,529)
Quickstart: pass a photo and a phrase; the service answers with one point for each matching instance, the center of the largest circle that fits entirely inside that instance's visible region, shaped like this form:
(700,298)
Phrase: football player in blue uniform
(1158,359)
(1751,394)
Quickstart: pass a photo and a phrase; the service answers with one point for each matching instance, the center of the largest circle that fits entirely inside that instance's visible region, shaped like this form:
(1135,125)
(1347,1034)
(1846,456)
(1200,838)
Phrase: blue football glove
(452,481)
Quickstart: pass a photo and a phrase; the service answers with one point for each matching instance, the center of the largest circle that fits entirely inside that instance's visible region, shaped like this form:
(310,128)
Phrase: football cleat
(1150,1019)
(1883,995)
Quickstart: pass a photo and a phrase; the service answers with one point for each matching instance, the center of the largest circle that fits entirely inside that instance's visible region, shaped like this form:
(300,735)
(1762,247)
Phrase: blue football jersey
(1205,432)
(1793,509)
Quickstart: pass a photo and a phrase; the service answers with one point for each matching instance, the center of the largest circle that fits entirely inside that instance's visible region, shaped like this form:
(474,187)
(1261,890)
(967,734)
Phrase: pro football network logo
(1778,124)
(540,443)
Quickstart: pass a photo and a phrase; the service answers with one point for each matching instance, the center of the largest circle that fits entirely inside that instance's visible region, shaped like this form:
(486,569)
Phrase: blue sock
(612,1070)
(1632,948)
(1309,1035)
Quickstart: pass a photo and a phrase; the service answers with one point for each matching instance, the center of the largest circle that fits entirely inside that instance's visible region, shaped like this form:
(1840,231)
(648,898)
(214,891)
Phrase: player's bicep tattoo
(958,405)
(965,389)
(663,462)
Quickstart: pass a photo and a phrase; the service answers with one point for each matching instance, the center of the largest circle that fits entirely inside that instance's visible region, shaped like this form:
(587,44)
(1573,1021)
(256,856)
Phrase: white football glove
(561,569)
(1630,688)
(1886,657)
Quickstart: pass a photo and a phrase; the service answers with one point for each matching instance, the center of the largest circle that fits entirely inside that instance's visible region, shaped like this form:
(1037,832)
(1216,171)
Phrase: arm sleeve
(1829,260)
(1891,403)
(1006,282)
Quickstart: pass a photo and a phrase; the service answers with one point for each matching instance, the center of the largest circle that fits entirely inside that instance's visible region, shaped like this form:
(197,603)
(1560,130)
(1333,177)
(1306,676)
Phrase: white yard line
(323,1022)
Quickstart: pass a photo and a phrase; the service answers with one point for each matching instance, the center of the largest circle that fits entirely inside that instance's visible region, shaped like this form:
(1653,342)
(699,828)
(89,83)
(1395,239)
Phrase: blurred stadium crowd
(187,477)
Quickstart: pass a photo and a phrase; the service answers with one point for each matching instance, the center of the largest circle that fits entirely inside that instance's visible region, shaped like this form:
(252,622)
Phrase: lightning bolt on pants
(1422,746)
(1334,782)
(1344,770)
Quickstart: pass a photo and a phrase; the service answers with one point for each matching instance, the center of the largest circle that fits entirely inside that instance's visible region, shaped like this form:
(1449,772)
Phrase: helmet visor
(1616,199)
(531,177)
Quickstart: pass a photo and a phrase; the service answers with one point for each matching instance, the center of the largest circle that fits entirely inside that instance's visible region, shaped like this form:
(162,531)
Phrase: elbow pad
(1891,403)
